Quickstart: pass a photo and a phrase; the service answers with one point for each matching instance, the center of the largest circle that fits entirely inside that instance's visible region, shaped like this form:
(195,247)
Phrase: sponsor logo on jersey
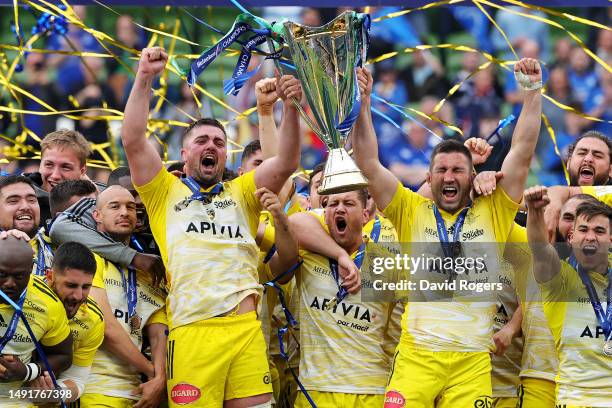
(394,399)
(184,393)
(484,401)
(214,229)
(590,333)
(347,310)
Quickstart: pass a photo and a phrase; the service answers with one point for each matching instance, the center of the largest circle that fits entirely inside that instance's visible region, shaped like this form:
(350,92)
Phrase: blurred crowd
(419,81)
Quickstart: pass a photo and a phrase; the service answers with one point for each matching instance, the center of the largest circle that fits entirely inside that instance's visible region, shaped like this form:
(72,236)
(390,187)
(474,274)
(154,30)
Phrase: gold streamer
(551,133)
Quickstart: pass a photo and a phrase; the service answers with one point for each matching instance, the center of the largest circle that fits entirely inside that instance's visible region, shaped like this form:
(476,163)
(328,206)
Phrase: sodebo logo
(184,393)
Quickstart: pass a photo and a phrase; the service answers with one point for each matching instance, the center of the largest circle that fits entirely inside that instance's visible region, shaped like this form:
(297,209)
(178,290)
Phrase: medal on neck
(130,287)
(604,316)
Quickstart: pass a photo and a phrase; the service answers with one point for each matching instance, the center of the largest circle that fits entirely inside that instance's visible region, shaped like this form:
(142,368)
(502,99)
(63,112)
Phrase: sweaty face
(57,165)
(205,153)
(345,217)
(590,240)
(116,212)
(19,208)
(589,164)
(72,287)
(315,198)
(451,181)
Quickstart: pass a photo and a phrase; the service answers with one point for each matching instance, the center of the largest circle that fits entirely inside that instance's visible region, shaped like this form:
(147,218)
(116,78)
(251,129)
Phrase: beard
(203,180)
(598,179)
(31,233)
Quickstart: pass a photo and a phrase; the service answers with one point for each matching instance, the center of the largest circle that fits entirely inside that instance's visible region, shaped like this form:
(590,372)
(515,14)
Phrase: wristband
(32,371)
(525,83)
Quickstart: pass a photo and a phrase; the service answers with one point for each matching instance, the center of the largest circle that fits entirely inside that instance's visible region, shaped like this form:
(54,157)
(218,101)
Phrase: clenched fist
(536,197)
(152,61)
(265,91)
(289,87)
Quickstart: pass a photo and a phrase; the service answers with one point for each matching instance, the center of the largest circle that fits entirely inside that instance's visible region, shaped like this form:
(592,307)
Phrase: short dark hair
(14,179)
(584,197)
(316,170)
(115,175)
(590,210)
(61,193)
(228,175)
(202,122)
(450,146)
(74,255)
(363,195)
(594,135)
(250,149)
(179,165)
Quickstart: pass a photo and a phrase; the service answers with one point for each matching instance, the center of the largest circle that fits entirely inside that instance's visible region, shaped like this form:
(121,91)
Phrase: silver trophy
(325,59)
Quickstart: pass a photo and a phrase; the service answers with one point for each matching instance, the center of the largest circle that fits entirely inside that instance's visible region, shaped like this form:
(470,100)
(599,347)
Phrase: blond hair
(67,139)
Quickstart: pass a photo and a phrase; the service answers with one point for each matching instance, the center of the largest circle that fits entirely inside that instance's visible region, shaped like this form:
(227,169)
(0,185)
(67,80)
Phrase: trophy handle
(296,103)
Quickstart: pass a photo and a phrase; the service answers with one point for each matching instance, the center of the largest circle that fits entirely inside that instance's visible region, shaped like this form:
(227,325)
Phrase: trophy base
(341,174)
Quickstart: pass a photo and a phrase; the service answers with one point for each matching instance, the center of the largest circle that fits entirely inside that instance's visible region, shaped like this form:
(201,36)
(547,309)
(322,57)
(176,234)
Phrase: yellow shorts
(505,402)
(218,359)
(339,400)
(102,401)
(427,379)
(536,393)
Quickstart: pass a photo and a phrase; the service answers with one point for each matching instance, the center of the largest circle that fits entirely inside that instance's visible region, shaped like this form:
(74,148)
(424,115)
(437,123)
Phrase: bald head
(16,259)
(115,213)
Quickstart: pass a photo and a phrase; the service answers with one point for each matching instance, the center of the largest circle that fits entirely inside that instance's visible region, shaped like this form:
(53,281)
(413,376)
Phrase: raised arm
(383,183)
(546,264)
(516,164)
(274,172)
(286,245)
(265,91)
(143,159)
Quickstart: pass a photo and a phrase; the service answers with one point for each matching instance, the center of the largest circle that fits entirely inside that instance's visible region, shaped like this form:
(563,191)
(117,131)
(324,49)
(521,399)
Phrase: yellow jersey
(602,193)
(87,328)
(109,375)
(584,372)
(460,325)
(342,347)
(47,318)
(539,358)
(208,248)
(505,369)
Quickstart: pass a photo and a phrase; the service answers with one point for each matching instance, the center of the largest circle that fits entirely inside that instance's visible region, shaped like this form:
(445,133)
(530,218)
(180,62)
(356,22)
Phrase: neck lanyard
(130,288)
(40,258)
(12,327)
(137,244)
(333,265)
(375,234)
(447,247)
(198,195)
(604,318)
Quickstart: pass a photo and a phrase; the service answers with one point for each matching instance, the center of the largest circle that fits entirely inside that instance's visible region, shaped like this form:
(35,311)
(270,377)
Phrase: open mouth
(24,217)
(589,250)
(449,192)
(209,161)
(587,172)
(341,224)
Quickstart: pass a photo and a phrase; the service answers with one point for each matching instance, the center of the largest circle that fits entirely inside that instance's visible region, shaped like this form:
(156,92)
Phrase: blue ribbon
(40,258)
(41,352)
(443,234)
(603,317)
(375,234)
(333,265)
(197,194)
(241,75)
(12,327)
(137,244)
(502,124)
(130,289)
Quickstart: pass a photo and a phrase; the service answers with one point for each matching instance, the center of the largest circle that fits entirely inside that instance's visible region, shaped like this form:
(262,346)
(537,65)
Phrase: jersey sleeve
(555,290)
(401,209)
(159,316)
(246,187)
(58,329)
(602,193)
(98,280)
(503,211)
(84,355)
